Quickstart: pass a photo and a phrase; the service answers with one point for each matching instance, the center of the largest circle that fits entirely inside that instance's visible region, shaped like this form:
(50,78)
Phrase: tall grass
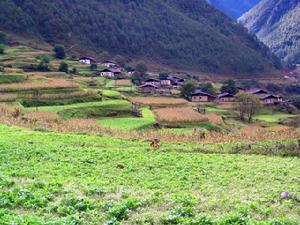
(49,84)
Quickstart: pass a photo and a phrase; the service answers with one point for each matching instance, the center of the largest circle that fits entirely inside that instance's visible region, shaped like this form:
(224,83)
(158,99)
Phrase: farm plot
(130,123)
(29,86)
(272,118)
(51,178)
(158,101)
(184,115)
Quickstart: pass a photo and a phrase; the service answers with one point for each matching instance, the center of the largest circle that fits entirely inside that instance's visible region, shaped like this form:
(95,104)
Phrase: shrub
(63,67)
(59,51)
(2,49)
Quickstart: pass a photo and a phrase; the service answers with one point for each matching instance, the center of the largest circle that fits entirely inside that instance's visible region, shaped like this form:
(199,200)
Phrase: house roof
(109,61)
(112,70)
(201,93)
(268,96)
(87,57)
(257,91)
(152,80)
(222,95)
(148,85)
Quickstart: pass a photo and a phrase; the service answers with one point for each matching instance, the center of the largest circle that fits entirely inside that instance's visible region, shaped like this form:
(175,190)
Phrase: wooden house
(109,73)
(109,64)
(148,88)
(200,96)
(152,81)
(225,97)
(87,60)
(270,99)
(258,92)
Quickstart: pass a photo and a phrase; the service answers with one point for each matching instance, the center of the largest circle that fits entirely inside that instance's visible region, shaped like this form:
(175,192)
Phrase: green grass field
(130,123)
(272,118)
(50,178)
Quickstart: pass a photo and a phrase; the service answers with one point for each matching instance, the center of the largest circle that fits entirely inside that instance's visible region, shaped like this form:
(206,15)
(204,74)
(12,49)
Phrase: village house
(130,71)
(109,64)
(166,81)
(148,88)
(200,96)
(109,73)
(176,81)
(269,99)
(225,97)
(257,92)
(87,60)
(153,81)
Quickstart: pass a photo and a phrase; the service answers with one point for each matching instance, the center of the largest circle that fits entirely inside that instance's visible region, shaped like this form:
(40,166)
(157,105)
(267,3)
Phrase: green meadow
(51,178)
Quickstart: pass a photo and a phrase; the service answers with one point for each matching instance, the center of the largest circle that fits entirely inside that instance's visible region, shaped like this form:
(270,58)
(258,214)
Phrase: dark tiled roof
(147,85)
(225,95)
(87,57)
(256,90)
(199,92)
(152,80)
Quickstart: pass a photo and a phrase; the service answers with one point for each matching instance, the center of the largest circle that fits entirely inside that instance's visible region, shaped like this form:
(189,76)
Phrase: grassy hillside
(50,178)
(183,34)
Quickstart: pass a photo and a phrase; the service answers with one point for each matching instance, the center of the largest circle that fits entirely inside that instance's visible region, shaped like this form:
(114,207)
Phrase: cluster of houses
(265,97)
(111,68)
(162,86)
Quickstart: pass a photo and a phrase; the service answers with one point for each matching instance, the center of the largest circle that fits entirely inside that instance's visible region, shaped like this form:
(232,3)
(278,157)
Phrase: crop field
(130,123)
(49,84)
(273,117)
(50,178)
(178,115)
(158,101)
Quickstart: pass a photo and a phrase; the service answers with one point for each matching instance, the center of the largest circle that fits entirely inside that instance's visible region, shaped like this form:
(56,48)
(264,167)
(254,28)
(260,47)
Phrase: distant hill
(234,8)
(277,24)
(182,34)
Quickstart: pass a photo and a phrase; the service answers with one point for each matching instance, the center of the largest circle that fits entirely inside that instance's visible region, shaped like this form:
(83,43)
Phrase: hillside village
(108,139)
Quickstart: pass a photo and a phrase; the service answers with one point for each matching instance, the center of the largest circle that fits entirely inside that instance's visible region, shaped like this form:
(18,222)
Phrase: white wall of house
(199,99)
(107,74)
(85,61)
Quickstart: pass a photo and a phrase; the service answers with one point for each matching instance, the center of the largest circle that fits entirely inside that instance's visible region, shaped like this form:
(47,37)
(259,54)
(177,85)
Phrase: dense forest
(183,34)
(277,24)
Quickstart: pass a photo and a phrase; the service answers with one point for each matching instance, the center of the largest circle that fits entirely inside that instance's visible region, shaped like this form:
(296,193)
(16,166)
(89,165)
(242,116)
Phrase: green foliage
(2,38)
(63,67)
(12,78)
(207,87)
(296,102)
(141,68)
(45,177)
(2,48)
(187,89)
(163,75)
(93,67)
(248,105)
(190,34)
(274,88)
(59,51)
(229,86)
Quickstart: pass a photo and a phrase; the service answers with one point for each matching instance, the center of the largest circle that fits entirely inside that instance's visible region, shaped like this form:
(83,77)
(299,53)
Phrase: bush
(63,67)
(2,49)
(59,51)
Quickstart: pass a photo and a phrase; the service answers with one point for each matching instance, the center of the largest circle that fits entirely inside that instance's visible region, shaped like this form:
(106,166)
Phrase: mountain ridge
(184,34)
(277,24)
(234,8)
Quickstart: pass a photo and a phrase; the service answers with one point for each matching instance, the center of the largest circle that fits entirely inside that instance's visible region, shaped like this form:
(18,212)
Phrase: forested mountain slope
(183,34)
(277,24)
(234,8)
